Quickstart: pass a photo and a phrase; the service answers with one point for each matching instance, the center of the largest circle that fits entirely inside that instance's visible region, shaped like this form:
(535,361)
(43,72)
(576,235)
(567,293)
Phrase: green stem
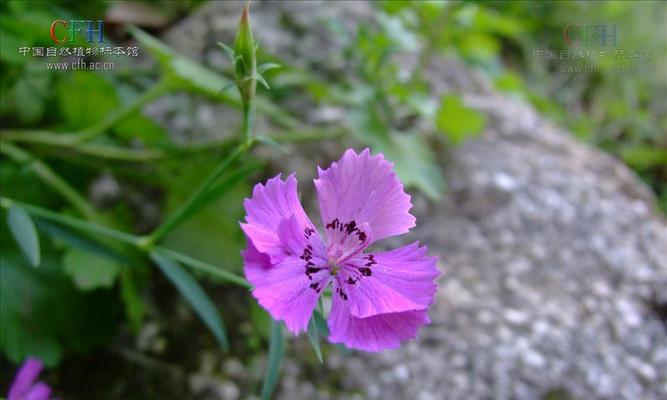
(46,174)
(64,140)
(156,91)
(90,227)
(91,149)
(183,212)
(177,217)
(136,241)
(248,117)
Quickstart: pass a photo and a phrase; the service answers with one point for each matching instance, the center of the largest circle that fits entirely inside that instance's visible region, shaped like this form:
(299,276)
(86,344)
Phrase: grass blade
(276,352)
(25,234)
(204,267)
(194,201)
(314,338)
(194,294)
(80,241)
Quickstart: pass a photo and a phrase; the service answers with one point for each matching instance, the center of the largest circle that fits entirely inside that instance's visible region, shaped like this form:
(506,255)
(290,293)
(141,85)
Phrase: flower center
(344,241)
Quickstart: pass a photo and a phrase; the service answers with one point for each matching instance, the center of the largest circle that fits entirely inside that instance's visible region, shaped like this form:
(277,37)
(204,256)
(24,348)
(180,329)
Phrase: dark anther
(313,286)
(333,224)
(341,294)
(308,231)
(365,271)
(310,270)
(307,253)
(351,227)
(362,236)
(351,281)
(371,260)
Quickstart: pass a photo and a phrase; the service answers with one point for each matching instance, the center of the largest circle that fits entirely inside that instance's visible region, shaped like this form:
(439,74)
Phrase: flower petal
(363,188)
(40,391)
(24,379)
(289,294)
(289,289)
(379,332)
(388,282)
(269,205)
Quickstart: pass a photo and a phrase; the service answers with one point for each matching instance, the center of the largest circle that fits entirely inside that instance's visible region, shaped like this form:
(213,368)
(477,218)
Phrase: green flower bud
(246,63)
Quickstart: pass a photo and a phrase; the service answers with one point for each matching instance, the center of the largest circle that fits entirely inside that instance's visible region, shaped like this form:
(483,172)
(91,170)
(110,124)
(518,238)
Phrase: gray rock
(553,257)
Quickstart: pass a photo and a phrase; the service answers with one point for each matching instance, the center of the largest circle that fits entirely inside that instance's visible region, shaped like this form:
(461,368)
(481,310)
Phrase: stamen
(345,239)
(341,293)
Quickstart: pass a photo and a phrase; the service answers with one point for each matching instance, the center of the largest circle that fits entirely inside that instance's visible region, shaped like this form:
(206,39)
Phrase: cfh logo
(576,35)
(73,27)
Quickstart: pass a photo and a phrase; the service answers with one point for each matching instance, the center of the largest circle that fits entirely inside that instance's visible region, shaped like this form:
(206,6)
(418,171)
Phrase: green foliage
(622,112)
(185,74)
(85,98)
(27,99)
(276,353)
(90,271)
(135,310)
(25,234)
(194,294)
(457,121)
(314,337)
(93,266)
(43,315)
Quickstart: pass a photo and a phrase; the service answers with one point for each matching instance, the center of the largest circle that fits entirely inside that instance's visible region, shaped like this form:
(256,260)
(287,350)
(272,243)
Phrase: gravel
(554,258)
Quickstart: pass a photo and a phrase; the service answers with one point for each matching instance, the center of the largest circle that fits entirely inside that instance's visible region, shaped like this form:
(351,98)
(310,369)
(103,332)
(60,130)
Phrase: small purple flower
(380,298)
(24,386)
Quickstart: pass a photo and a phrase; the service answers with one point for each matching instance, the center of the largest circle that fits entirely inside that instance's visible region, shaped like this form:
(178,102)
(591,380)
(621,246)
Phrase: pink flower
(24,386)
(379,298)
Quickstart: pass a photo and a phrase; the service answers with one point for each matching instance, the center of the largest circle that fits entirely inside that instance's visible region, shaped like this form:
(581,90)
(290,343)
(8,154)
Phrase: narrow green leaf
(75,223)
(205,267)
(271,142)
(321,322)
(194,294)
(228,86)
(25,234)
(80,241)
(263,81)
(314,338)
(228,182)
(229,51)
(276,352)
(267,66)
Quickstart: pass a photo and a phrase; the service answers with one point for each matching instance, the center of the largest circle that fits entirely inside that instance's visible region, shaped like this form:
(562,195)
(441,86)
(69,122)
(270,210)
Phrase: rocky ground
(554,258)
